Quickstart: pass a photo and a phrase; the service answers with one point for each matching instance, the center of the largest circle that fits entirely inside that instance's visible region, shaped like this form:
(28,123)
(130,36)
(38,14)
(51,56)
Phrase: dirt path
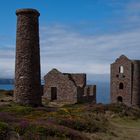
(125,127)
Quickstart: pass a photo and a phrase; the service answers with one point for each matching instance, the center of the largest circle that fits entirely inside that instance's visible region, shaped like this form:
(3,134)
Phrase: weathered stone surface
(27,70)
(125,84)
(67,87)
(79,78)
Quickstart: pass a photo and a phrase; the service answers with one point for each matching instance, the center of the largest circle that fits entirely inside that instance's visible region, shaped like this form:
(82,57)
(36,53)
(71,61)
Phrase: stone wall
(66,89)
(136,83)
(125,78)
(89,90)
(89,94)
(78,78)
(70,87)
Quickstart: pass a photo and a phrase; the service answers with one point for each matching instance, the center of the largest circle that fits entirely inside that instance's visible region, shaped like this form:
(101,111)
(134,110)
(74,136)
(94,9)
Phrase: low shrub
(43,130)
(3,130)
(22,127)
(17,109)
(63,111)
(7,117)
(123,110)
(116,108)
(60,131)
(87,125)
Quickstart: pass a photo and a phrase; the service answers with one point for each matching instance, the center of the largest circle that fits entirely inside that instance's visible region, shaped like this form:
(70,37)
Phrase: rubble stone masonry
(27,69)
(125,81)
(68,87)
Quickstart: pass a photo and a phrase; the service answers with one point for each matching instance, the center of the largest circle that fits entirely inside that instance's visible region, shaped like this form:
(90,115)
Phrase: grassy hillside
(68,122)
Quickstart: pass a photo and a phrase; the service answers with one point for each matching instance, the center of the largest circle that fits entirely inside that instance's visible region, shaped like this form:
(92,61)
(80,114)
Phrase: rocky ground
(67,122)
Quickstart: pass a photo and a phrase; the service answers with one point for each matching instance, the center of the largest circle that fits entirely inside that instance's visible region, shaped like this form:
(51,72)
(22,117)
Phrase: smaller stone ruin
(68,87)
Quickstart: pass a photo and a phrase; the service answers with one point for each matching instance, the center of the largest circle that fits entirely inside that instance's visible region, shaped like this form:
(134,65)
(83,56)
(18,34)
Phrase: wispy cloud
(7,61)
(89,47)
(71,51)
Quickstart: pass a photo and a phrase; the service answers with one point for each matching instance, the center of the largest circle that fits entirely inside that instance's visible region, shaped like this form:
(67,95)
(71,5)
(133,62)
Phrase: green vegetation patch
(127,122)
(41,129)
(17,109)
(86,123)
(70,121)
(4,128)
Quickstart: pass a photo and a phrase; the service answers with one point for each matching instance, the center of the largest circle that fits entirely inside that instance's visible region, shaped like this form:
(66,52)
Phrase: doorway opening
(53,93)
(120,99)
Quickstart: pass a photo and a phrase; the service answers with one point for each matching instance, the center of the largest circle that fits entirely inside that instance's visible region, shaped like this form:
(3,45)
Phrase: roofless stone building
(68,87)
(125,81)
(27,69)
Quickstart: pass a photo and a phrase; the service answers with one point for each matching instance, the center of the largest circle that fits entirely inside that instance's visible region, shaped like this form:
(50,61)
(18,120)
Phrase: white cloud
(73,52)
(7,66)
(70,51)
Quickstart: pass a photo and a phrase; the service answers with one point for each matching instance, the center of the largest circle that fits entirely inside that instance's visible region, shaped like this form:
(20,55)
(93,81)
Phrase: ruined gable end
(58,87)
(68,87)
(125,82)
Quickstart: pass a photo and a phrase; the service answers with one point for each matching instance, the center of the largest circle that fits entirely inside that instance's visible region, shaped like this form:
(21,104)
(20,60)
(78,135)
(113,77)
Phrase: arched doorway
(119,99)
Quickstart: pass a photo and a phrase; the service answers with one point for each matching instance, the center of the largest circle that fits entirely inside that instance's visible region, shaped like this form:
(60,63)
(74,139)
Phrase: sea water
(102,91)
(6,87)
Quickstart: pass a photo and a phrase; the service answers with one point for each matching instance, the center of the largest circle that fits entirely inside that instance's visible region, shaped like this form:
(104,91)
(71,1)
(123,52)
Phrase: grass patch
(86,123)
(17,109)
(71,121)
(127,122)
(38,130)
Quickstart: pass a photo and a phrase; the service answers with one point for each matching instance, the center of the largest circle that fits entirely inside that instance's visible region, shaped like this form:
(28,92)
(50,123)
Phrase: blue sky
(75,35)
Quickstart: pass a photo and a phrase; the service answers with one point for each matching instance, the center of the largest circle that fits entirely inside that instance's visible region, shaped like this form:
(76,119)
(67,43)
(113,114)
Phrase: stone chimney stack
(27,68)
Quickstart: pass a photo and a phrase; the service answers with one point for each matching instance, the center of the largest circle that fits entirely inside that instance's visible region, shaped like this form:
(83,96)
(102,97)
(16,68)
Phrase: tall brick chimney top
(27,11)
